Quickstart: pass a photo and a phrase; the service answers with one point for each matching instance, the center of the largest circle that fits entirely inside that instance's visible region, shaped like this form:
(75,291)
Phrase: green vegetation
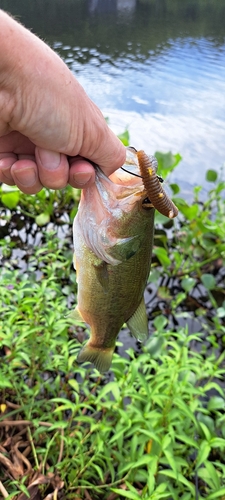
(154,427)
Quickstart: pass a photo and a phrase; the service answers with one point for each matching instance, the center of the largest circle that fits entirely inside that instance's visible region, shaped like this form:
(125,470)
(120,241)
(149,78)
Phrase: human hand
(49,128)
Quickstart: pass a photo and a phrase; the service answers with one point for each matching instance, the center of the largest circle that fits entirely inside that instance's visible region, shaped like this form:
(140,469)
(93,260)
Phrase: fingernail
(49,159)
(81,178)
(26,177)
(5,178)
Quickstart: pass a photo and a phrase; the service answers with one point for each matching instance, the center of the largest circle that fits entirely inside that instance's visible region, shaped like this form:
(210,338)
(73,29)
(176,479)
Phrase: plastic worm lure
(156,194)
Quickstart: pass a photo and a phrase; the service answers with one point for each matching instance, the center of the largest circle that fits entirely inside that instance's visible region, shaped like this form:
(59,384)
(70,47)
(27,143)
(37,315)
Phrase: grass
(154,427)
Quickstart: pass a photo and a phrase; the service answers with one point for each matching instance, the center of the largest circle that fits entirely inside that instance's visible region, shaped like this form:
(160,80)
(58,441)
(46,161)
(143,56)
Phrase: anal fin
(101,358)
(138,323)
(75,314)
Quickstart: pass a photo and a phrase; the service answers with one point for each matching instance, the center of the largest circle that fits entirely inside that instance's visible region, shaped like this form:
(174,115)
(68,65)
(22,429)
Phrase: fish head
(112,212)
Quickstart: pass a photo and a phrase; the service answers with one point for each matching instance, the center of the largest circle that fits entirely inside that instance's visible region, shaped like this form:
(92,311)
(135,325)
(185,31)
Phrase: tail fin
(101,358)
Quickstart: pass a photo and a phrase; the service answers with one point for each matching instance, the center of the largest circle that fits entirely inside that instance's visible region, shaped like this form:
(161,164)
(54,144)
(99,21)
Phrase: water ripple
(173,95)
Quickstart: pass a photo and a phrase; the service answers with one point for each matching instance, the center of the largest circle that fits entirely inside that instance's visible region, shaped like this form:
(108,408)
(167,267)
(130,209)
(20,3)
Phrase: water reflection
(157,67)
(126,6)
(102,6)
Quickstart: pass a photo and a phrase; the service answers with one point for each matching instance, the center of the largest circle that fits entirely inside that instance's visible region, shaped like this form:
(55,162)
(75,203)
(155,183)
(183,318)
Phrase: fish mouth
(128,176)
(120,192)
(125,185)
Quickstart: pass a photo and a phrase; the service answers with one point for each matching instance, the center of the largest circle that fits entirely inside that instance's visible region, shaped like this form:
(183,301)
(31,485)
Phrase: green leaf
(175,188)
(11,200)
(154,276)
(166,441)
(179,477)
(162,255)
(154,345)
(164,293)
(66,404)
(12,495)
(160,322)
(99,471)
(126,494)
(24,490)
(187,440)
(203,453)
(42,219)
(213,474)
(191,213)
(161,492)
(167,162)
(213,385)
(205,431)
(188,284)
(216,494)
(216,403)
(4,382)
(217,442)
(146,459)
(57,425)
(110,387)
(26,358)
(118,434)
(185,409)
(211,175)
(171,461)
(208,281)
(124,138)
(74,384)
(221,312)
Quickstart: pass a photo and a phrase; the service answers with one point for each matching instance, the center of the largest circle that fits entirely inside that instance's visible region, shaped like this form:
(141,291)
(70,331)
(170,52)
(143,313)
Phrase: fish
(113,234)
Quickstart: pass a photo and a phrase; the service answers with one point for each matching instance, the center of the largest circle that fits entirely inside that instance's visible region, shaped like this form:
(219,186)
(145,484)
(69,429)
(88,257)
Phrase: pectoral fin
(138,323)
(102,275)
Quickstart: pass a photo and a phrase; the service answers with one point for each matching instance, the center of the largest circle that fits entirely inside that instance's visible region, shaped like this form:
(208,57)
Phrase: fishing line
(160,179)
(131,173)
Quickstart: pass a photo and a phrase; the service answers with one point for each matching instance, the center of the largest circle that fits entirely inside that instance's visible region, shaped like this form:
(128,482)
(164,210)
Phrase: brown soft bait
(156,194)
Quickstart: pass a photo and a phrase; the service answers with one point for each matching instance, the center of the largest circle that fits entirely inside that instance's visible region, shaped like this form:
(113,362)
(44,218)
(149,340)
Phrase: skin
(49,127)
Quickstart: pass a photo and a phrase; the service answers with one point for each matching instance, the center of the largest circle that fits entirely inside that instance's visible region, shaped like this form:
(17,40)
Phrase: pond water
(154,66)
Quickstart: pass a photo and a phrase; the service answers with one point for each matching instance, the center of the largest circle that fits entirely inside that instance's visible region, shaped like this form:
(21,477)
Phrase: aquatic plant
(154,427)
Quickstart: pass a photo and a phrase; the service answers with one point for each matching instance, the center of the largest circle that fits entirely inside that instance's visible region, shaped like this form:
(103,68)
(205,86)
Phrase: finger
(25,175)
(16,142)
(111,157)
(100,144)
(53,168)
(6,162)
(82,173)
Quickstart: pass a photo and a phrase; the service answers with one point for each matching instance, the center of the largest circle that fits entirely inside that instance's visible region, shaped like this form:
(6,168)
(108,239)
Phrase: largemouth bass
(113,239)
